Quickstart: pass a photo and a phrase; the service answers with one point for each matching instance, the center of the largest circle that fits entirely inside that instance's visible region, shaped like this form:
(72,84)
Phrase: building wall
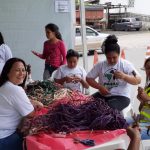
(22,23)
(91,14)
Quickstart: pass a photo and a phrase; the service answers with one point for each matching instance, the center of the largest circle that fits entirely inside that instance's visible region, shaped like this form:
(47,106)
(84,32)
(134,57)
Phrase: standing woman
(14,103)
(115,74)
(5,52)
(54,51)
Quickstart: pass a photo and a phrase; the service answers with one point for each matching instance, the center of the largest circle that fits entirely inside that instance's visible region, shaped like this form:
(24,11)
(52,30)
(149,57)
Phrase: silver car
(94,39)
(126,24)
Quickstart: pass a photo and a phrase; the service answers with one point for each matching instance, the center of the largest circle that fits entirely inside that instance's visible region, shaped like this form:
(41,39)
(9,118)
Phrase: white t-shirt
(64,71)
(105,73)
(14,104)
(5,54)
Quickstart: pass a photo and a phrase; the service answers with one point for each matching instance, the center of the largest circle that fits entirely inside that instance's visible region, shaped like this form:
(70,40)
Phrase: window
(119,21)
(125,20)
(133,19)
(90,32)
(78,33)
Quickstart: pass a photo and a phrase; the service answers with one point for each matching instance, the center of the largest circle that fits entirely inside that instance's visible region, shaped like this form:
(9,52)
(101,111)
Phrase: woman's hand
(104,91)
(35,53)
(69,79)
(119,75)
(77,79)
(142,95)
(134,132)
(140,90)
(37,105)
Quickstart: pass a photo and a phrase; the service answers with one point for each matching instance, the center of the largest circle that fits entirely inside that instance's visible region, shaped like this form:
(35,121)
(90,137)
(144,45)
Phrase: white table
(120,142)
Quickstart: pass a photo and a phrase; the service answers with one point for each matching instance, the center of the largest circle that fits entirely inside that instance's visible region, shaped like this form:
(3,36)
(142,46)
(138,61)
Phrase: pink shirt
(54,53)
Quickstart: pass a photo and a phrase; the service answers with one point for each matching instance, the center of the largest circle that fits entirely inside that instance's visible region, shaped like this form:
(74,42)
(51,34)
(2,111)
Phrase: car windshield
(90,32)
(133,19)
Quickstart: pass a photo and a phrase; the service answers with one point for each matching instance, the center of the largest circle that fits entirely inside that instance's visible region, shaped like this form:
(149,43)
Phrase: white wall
(22,23)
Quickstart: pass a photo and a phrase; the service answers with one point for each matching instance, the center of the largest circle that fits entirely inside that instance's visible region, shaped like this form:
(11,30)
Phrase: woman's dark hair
(6,69)
(72,53)
(1,39)
(146,61)
(54,28)
(147,78)
(110,45)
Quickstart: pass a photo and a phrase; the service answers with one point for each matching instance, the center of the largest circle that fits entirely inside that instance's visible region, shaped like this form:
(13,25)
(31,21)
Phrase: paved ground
(134,44)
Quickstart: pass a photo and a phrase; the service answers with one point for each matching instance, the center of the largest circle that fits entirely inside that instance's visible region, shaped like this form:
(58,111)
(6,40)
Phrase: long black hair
(111,45)
(54,28)
(72,53)
(1,39)
(6,69)
(147,78)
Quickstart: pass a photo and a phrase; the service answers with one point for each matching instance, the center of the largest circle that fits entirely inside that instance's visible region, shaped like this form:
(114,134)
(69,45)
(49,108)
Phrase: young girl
(54,51)
(71,75)
(115,75)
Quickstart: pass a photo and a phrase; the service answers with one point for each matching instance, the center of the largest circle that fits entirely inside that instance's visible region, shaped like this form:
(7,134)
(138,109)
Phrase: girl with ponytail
(116,75)
(54,51)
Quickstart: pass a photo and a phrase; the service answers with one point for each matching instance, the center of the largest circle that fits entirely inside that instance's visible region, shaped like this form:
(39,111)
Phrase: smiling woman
(14,103)
(17,74)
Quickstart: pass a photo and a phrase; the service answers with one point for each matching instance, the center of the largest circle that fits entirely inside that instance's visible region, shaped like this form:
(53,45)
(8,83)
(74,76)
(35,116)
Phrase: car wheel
(137,29)
(114,29)
(126,29)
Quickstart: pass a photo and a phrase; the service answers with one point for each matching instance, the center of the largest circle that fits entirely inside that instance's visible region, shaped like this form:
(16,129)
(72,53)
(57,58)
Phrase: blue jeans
(48,71)
(12,142)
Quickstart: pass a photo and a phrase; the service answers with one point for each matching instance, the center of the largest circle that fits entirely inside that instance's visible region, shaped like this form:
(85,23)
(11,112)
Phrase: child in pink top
(54,51)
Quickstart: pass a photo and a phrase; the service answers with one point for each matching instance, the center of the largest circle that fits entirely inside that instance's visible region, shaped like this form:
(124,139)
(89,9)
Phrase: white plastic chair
(53,75)
(127,110)
(145,145)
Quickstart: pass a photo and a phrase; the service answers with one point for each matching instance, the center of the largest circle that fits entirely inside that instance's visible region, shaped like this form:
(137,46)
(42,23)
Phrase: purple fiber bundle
(95,115)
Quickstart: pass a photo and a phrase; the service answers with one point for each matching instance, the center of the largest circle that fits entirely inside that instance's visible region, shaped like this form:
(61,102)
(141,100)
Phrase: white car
(94,39)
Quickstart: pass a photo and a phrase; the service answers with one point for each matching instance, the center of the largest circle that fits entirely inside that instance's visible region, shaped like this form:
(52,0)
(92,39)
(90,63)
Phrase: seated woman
(115,74)
(144,109)
(14,103)
(144,98)
(71,75)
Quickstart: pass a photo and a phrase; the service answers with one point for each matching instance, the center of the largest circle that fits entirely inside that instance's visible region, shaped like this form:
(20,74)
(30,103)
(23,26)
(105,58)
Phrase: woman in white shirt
(5,52)
(14,103)
(115,75)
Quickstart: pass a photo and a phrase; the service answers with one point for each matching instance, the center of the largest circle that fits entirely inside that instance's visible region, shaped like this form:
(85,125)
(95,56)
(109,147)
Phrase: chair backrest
(53,75)
(125,112)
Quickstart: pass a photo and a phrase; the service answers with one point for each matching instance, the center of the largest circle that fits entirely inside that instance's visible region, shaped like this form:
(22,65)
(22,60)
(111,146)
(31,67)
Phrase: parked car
(126,24)
(94,39)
